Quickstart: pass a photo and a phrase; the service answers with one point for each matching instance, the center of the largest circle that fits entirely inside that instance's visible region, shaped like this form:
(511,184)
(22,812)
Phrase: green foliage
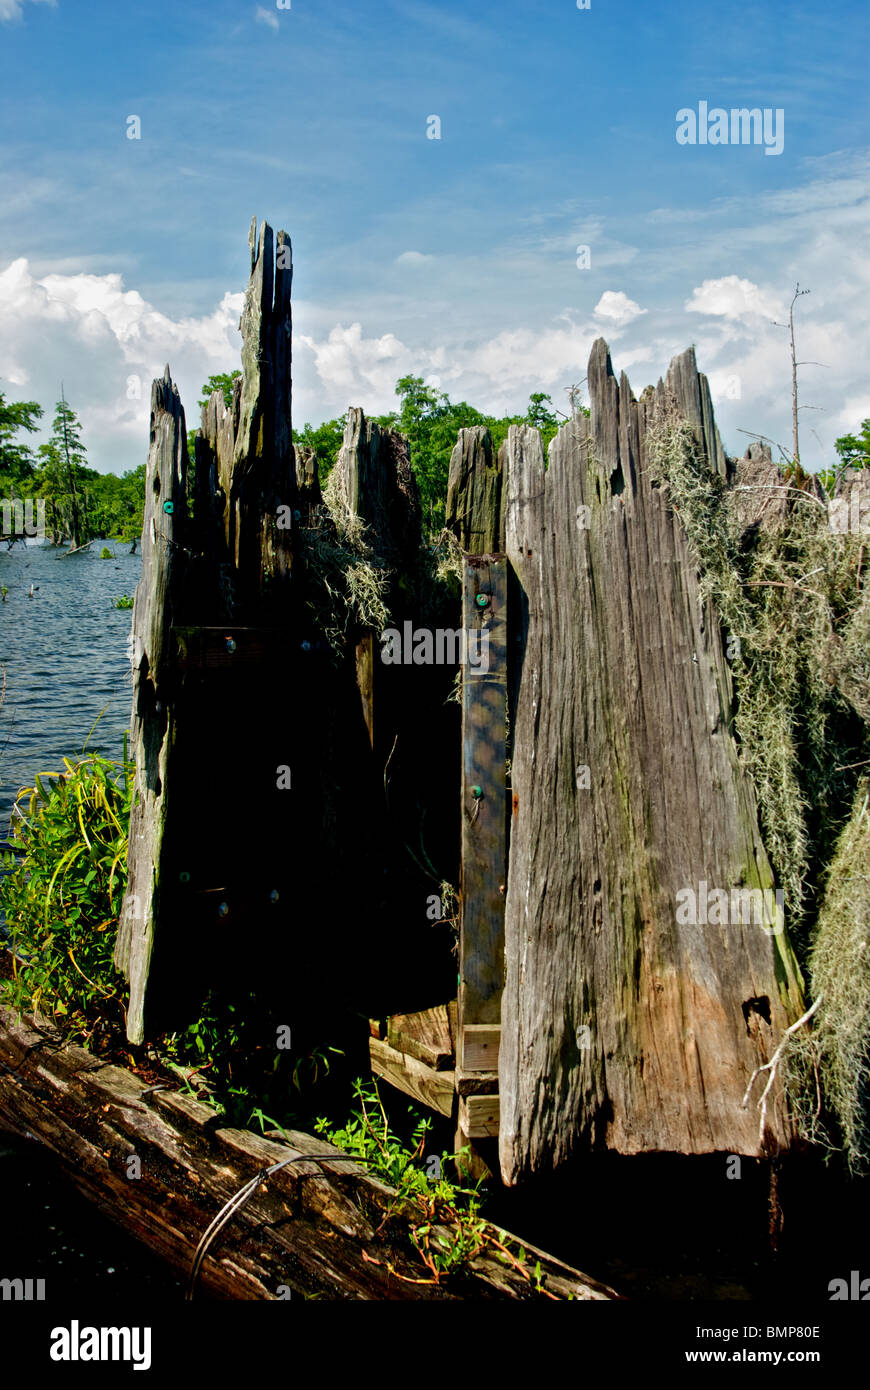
(447,1228)
(123,601)
(107,554)
(325,440)
(854,450)
(16,459)
(63,890)
(220,381)
(228,1055)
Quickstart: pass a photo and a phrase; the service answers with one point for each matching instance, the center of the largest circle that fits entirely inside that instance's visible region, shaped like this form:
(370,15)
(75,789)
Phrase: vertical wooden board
(621,1026)
(483,790)
(158,595)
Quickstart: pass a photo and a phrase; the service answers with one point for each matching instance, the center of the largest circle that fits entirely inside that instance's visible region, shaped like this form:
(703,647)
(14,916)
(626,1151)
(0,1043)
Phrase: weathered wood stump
(622,1025)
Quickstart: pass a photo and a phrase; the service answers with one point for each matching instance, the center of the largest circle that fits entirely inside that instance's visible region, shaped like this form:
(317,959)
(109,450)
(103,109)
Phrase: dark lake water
(64,653)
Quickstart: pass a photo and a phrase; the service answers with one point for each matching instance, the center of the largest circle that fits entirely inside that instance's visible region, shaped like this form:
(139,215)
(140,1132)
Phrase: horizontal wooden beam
(222,648)
(434,1089)
(479,1046)
(479,1116)
(424,1035)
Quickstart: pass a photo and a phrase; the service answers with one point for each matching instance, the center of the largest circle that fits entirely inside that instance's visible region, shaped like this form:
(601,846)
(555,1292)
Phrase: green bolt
(169,508)
(477,792)
(184,877)
(482,600)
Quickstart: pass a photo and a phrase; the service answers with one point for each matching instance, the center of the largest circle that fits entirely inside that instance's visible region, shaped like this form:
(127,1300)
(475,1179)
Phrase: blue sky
(454,258)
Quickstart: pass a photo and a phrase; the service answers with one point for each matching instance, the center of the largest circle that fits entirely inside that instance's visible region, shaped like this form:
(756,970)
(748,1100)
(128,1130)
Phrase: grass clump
(62,893)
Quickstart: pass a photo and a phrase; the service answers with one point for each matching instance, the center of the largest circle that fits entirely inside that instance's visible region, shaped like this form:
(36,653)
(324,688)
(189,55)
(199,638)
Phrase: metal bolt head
(169,508)
(184,877)
(223,910)
(231,644)
(306,646)
(274,895)
(297,515)
(482,600)
(477,792)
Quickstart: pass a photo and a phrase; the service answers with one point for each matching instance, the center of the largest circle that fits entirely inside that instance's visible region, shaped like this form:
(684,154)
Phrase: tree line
(82,504)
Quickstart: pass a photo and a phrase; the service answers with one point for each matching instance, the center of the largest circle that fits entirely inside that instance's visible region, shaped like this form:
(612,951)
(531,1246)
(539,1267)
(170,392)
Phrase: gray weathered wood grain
(621,1027)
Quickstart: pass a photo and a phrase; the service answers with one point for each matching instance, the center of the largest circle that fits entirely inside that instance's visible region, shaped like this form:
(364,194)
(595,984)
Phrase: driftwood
(622,1027)
(162,1165)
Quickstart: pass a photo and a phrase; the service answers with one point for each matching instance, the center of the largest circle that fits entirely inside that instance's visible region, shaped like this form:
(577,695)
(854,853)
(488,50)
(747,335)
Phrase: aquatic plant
(63,889)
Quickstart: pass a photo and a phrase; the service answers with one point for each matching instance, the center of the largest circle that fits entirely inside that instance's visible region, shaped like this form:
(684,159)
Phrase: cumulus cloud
(105,343)
(360,370)
(617,308)
(413,258)
(733,298)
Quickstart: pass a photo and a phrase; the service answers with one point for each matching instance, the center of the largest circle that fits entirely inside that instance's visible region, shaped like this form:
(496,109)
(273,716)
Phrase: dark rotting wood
(230,564)
(310,1229)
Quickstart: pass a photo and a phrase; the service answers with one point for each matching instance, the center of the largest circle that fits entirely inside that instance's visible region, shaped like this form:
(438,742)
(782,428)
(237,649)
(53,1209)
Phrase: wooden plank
(480,1044)
(434,1089)
(484,691)
(479,1116)
(424,1035)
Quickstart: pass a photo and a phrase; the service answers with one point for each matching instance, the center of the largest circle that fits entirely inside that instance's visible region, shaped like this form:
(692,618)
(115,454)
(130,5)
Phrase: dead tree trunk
(621,1025)
(213,631)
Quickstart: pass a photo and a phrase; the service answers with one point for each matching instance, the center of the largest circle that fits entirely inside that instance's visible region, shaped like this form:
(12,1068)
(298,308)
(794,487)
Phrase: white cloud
(618,308)
(364,368)
(413,258)
(94,335)
(267,17)
(733,298)
(11,9)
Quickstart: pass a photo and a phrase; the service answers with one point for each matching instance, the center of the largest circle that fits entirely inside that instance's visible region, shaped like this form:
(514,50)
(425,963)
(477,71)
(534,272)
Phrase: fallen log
(162,1164)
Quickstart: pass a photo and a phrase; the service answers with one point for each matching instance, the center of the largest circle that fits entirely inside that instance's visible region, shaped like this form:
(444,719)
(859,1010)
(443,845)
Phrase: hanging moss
(795,596)
(796,601)
(837,1051)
